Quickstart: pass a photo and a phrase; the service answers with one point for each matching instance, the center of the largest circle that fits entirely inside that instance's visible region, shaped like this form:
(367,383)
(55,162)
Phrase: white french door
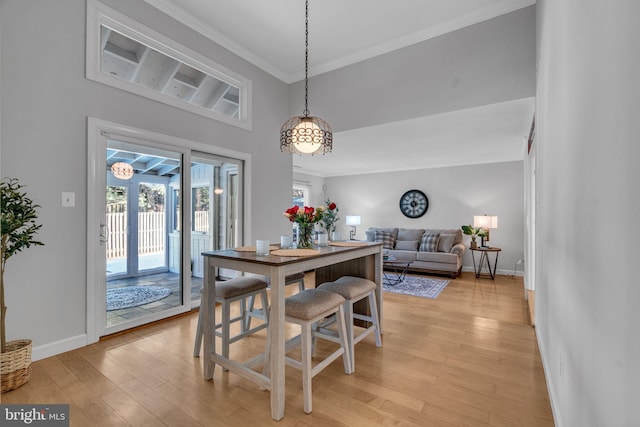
(149,229)
(139,259)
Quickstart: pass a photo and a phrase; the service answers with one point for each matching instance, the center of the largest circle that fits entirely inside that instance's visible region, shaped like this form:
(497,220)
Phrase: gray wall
(455,195)
(587,291)
(489,62)
(45,104)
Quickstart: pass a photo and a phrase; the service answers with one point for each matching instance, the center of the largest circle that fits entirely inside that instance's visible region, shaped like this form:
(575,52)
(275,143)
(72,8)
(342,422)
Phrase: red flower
(332,206)
(292,211)
(308,210)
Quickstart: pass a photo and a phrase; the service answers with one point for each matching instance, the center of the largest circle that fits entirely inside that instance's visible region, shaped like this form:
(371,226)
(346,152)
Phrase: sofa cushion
(446,242)
(410,234)
(407,245)
(429,242)
(388,239)
(437,257)
(371,231)
(456,231)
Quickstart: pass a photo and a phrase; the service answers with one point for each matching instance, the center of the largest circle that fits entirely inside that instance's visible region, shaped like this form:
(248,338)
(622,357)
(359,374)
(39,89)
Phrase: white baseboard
(555,409)
(51,349)
(498,272)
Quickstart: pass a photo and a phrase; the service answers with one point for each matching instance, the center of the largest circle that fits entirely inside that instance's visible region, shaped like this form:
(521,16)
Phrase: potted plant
(474,232)
(19,229)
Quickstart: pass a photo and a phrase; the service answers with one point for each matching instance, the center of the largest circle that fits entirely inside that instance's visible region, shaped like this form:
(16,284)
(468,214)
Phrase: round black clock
(414,203)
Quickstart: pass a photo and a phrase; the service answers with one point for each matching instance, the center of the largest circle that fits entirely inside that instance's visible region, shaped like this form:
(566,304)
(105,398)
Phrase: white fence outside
(152,233)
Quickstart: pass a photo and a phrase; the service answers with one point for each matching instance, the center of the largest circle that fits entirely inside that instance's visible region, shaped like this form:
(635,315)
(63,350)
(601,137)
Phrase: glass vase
(329,231)
(305,239)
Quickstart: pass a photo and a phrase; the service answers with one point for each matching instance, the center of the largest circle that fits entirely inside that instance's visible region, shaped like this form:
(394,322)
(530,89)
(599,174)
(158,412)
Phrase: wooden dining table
(362,259)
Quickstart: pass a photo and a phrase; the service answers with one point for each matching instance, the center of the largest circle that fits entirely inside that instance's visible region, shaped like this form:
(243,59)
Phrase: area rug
(133,296)
(418,286)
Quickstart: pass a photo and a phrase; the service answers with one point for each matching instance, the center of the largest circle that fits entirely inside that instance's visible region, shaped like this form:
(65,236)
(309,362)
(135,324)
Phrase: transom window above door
(125,54)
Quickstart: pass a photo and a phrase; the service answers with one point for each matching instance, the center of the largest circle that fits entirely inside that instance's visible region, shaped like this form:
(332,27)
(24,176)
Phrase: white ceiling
(270,34)
(487,134)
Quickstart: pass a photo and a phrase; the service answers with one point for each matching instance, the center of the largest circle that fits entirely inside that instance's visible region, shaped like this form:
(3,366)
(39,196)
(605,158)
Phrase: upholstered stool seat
(292,279)
(238,286)
(354,289)
(236,289)
(305,309)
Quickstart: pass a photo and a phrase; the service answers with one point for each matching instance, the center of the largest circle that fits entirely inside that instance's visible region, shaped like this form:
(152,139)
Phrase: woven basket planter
(15,364)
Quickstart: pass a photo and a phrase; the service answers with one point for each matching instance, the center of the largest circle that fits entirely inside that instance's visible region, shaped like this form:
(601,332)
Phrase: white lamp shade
(307,133)
(353,220)
(485,221)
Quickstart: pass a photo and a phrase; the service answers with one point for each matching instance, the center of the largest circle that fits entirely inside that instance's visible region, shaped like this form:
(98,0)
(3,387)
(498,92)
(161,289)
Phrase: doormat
(418,286)
(133,296)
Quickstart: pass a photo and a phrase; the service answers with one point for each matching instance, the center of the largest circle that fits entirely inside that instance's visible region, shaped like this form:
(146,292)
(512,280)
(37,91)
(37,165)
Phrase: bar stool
(236,289)
(252,312)
(354,289)
(305,309)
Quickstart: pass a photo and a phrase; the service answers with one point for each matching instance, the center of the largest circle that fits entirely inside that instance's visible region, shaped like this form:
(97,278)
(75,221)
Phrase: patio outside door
(141,233)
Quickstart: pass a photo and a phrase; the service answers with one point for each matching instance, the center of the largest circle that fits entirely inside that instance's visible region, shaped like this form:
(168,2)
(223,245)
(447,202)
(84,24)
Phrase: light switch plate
(68,199)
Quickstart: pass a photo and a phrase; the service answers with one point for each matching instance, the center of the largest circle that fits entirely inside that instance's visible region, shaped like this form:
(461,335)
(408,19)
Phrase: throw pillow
(429,242)
(407,245)
(387,239)
(446,242)
(371,235)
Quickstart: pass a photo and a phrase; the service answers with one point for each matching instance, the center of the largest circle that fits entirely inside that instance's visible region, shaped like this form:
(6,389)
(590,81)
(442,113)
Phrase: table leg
(476,270)
(276,350)
(400,274)
(484,259)
(208,294)
(495,265)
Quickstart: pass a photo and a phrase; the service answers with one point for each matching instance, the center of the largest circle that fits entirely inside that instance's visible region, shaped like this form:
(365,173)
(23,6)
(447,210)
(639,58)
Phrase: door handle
(104,233)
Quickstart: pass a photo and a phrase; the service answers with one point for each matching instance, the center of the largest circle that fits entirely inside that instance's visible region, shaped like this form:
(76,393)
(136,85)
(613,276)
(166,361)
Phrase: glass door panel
(116,228)
(144,250)
(215,222)
(152,219)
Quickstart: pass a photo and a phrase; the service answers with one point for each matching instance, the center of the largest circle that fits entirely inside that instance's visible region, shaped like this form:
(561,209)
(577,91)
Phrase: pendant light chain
(306,60)
(306,134)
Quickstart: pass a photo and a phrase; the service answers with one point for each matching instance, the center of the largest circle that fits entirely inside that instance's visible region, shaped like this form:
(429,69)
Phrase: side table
(484,259)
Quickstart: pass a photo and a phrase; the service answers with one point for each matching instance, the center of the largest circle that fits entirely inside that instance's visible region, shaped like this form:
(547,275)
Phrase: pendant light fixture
(306,134)
(122,170)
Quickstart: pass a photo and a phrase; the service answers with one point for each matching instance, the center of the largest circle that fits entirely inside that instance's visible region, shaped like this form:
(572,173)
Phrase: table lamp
(486,222)
(353,220)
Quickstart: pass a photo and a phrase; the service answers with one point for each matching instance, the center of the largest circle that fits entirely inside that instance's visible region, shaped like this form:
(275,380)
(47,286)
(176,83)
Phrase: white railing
(201,222)
(151,232)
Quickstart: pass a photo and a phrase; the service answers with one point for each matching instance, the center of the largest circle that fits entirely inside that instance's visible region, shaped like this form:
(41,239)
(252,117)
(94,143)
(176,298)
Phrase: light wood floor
(467,358)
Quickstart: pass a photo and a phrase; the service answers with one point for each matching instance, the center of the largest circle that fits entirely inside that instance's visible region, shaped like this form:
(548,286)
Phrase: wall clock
(414,203)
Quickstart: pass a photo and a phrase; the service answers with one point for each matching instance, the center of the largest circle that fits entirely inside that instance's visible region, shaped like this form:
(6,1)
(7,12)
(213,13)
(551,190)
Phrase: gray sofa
(438,251)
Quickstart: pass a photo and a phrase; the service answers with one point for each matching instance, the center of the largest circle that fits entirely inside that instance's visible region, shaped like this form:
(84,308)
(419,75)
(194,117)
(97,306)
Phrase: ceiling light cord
(306,60)
(306,134)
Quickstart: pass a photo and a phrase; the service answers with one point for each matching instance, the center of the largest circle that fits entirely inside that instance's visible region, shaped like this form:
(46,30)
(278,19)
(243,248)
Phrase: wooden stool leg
(373,307)
(265,305)
(348,320)
(226,332)
(243,315)
(306,366)
(343,333)
(247,319)
(199,335)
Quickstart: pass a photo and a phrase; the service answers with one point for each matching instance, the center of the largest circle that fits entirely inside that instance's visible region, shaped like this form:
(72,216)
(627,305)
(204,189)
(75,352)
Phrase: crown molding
(195,23)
